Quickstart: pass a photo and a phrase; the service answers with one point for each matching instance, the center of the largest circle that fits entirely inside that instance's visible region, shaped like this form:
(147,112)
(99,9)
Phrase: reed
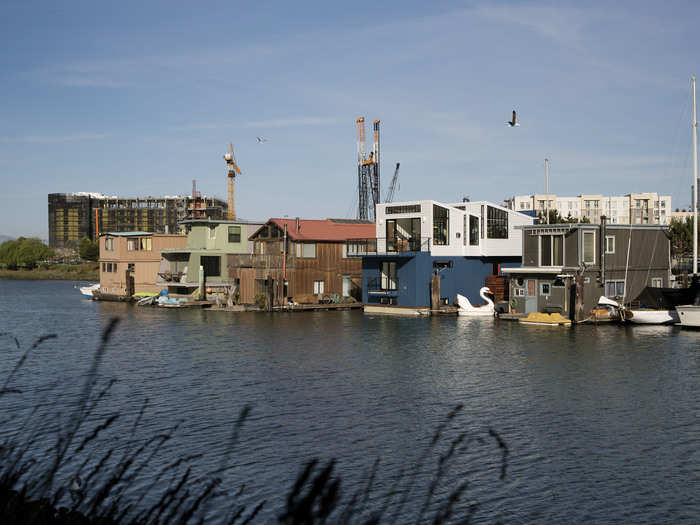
(57,470)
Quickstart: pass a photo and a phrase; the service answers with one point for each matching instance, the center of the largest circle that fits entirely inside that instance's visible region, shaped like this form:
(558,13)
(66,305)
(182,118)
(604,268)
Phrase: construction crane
(392,187)
(368,183)
(233,170)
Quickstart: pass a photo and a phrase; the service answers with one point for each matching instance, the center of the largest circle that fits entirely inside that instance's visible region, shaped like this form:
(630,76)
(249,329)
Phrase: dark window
(389,281)
(497,223)
(411,208)
(441,225)
(234,234)
(212,265)
(441,265)
(473,230)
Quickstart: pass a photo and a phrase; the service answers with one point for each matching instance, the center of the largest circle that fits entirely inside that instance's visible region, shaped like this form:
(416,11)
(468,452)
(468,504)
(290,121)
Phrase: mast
(695,183)
(546,189)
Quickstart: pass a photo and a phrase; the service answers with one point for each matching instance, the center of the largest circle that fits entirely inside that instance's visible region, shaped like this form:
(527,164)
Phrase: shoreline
(73,274)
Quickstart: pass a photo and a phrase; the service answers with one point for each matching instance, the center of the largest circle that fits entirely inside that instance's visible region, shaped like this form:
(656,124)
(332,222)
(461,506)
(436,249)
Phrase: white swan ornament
(466,308)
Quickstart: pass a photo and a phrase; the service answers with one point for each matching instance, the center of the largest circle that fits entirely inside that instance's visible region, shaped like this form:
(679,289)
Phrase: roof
(127,234)
(324,229)
(219,221)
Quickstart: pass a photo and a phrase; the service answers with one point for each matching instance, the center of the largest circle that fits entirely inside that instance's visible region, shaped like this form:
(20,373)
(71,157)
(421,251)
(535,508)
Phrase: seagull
(261,139)
(514,121)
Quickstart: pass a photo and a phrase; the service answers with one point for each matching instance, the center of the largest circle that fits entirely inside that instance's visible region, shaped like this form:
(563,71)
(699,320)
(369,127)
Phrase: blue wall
(466,277)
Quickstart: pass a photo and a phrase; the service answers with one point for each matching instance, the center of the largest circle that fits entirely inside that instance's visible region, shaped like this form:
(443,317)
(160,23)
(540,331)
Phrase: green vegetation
(23,253)
(682,237)
(88,250)
(55,272)
(556,218)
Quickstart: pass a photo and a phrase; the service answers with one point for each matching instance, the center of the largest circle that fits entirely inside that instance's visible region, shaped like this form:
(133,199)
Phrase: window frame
(230,233)
(657,282)
(319,287)
(389,278)
(583,247)
(544,293)
(607,247)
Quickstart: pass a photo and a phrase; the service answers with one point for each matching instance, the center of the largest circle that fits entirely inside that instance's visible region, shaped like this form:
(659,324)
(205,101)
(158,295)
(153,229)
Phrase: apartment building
(632,208)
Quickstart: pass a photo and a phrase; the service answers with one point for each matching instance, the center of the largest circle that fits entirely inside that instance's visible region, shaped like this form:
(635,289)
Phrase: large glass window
(234,234)
(389,281)
(589,247)
(614,288)
(497,223)
(109,243)
(441,225)
(473,230)
(306,250)
(552,250)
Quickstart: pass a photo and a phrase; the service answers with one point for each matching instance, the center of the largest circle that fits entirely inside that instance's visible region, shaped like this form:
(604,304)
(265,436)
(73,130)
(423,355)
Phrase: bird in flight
(514,121)
(261,139)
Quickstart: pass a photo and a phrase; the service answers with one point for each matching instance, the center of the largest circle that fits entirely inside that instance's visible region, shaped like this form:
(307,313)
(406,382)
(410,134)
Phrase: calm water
(602,423)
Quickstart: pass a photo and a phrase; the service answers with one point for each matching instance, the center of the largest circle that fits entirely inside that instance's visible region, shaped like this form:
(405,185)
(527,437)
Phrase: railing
(374,285)
(252,260)
(381,245)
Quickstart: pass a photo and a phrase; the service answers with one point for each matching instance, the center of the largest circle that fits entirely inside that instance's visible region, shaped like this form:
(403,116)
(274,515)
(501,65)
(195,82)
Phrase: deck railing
(381,245)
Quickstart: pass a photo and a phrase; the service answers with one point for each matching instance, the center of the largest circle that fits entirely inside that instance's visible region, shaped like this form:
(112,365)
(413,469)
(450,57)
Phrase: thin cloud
(53,139)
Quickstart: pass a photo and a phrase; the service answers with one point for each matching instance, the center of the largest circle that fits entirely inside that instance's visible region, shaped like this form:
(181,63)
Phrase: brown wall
(146,263)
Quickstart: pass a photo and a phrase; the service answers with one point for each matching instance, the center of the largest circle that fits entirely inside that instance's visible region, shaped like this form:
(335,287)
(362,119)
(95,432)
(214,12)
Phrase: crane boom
(392,186)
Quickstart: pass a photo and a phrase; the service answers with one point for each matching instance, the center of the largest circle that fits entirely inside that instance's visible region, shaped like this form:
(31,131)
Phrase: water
(601,422)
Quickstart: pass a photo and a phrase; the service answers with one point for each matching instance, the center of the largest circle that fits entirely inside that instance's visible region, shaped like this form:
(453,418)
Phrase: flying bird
(261,139)
(514,121)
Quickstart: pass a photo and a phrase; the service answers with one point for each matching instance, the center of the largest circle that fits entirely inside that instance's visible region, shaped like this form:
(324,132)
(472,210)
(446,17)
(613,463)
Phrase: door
(347,285)
(531,297)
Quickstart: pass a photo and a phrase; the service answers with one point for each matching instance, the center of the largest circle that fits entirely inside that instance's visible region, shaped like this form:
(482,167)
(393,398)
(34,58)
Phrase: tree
(556,218)
(88,250)
(23,253)
(681,237)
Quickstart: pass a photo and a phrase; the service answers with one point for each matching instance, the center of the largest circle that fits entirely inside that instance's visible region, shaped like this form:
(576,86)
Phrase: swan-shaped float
(466,308)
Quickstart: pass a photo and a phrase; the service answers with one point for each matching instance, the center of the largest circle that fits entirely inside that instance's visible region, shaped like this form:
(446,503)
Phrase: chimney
(297,223)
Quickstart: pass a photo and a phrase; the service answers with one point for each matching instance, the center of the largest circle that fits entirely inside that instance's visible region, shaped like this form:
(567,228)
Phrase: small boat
(466,308)
(89,290)
(537,318)
(689,315)
(650,316)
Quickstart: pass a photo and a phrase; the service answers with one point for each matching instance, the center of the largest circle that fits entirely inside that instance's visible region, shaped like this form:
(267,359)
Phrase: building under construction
(73,216)
(368,182)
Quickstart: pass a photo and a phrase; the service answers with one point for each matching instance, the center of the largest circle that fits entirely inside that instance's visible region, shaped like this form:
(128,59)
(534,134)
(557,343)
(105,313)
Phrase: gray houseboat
(615,260)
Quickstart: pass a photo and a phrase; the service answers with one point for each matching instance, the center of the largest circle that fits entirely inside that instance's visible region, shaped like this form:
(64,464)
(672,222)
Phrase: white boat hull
(653,316)
(689,315)
(467,309)
(88,291)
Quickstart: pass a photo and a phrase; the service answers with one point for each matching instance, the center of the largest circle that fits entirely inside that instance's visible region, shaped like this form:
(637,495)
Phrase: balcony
(383,245)
(249,260)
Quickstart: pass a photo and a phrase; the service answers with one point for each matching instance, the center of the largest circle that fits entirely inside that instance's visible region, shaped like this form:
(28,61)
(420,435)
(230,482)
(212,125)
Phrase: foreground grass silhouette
(56,471)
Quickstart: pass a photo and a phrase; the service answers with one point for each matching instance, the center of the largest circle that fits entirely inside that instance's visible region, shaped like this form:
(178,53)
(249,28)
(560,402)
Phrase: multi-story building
(633,208)
(614,260)
(73,216)
(465,244)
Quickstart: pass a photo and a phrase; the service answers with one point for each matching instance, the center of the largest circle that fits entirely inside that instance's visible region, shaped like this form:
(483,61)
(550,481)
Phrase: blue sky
(139,98)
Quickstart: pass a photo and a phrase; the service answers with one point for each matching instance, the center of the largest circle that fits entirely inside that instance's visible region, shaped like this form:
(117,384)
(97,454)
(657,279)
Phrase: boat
(467,308)
(689,314)
(538,318)
(649,316)
(89,290)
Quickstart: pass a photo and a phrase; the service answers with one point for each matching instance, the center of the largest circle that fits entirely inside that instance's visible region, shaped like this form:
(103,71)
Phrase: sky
(138,98)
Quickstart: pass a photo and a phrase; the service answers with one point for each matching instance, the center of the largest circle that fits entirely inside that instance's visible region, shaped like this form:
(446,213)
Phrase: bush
(24,253)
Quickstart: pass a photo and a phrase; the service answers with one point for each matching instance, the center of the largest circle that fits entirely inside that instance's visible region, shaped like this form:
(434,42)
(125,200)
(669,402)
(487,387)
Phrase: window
(441,225)
(551,250)
(615,288)
(481,222)
(109,243)
(389,280)
(497,223)
(212,232)
(589,247)
(104,267)
(132,244)
(131,267)
(519,292)
(411,208)
(473,230)
(318,287)
(544,288)
(234,234)
(464,229)
(657,282)
(212,265)
(306,250)
(145,243)
(609,244)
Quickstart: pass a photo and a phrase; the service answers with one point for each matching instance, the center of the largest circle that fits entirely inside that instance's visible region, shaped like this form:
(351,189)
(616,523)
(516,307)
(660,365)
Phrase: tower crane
(233,170)
(392,186)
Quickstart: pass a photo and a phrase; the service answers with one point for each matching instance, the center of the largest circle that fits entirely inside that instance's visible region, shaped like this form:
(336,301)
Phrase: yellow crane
(233,170)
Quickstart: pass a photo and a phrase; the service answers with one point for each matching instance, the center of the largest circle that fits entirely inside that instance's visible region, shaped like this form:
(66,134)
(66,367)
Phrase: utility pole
(546,188)
(695,183)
